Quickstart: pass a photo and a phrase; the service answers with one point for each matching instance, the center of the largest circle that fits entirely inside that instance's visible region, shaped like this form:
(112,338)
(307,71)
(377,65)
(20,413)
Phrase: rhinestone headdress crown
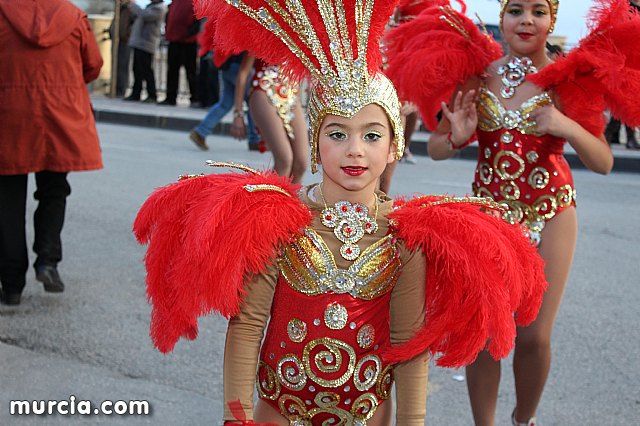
(342,81)
(553,5)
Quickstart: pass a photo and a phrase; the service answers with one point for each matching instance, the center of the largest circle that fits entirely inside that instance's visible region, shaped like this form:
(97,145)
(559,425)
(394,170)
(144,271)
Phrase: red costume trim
(206,236)
(480,270)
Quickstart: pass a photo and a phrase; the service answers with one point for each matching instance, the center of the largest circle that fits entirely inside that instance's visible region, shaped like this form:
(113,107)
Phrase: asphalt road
(93,341)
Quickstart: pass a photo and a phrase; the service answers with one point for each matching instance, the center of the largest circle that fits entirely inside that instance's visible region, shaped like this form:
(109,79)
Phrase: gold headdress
(336,42)
(553,5)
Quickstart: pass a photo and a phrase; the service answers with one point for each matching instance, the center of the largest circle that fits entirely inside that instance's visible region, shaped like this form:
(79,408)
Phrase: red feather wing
(429,56)
(206,236)
(602,72)
(480,271)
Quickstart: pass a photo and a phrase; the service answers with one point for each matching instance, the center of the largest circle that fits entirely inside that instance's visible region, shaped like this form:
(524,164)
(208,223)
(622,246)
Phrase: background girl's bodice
(517,166)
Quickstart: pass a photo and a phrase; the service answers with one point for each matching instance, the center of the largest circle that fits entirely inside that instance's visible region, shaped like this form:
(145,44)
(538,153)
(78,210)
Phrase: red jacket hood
(43,22)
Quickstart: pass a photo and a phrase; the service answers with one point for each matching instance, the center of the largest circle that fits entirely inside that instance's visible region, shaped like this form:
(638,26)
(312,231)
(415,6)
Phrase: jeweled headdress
(553,5)
(335,42)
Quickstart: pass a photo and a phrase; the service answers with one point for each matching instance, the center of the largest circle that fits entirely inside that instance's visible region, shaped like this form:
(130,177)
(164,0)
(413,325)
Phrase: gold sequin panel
(302,386)
(492,115)
(309,267)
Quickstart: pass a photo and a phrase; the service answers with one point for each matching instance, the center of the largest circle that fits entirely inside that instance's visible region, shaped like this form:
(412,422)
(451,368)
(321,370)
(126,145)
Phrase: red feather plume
(480,271)
(206,236)
(602,72)
(428,58)
(236,32)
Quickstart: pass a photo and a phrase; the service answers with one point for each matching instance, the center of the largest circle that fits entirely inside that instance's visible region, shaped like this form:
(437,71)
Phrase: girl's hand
(550,121)
(238,130)
(408,108)
(463,117)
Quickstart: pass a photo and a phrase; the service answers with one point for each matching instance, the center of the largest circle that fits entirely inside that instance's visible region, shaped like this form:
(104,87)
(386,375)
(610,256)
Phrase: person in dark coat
(144,40)
(182,34)
(49,53)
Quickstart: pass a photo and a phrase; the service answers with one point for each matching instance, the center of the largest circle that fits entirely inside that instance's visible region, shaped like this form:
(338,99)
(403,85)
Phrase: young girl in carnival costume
(523,109)
(353,289)
(275,107)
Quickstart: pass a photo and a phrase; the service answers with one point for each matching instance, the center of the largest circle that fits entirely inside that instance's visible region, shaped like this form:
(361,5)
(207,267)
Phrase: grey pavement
(182,117)
(92,341)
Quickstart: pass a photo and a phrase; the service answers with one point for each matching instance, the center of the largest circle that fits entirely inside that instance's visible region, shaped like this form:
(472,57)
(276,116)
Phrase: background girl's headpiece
(553,5)
(335,42)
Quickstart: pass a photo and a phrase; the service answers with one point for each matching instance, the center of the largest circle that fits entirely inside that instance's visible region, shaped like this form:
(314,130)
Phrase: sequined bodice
(308,265)
(492,114)
(518,167)
(321,359)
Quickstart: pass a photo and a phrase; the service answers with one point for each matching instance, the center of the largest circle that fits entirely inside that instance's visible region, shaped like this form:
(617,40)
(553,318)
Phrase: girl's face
(525,26)
(354,152)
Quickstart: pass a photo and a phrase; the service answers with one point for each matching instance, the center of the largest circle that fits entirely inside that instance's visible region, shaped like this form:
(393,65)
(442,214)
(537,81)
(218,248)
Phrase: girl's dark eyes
(341,136)
(518,11)
(337,136)
(372,136)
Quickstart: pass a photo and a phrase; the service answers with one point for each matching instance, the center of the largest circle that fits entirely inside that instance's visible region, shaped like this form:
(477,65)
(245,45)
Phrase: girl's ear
(392,152)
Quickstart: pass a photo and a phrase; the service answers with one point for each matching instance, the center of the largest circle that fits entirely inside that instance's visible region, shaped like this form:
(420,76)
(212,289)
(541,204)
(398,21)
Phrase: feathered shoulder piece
(480,271)
(435,52)
(206,236)
(602,72)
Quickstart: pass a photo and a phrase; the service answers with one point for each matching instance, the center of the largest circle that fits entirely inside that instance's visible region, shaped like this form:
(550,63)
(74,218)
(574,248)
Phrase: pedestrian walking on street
(182,34)
(49,53)
(145,39)
(522,108)
(228,70)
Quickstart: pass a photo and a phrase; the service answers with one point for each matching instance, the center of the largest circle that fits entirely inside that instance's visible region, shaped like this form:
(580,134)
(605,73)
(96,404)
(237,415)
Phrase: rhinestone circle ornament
(513,74)
(335,316)
(349,223)
(297,330)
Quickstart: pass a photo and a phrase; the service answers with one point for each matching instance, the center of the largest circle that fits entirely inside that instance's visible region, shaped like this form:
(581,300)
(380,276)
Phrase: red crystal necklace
(349,223)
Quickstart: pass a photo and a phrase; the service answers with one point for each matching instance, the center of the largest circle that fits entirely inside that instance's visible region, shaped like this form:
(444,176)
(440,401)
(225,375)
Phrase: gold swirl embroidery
(327,399)
(385,382)
(334,364)
(501,166)
(365,406)
(538,178)
(268,388)
(565,196)
(294,408)
(292,377)
(370,372)
(545,207)
(485,172)
(510,190)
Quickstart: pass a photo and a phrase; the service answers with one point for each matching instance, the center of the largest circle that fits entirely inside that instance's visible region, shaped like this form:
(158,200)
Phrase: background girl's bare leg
(532,357)
(483,380)
(300,144)
(270,124)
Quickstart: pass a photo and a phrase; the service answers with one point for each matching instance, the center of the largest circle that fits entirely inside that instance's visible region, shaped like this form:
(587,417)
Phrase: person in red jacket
(182,34)
(49,53)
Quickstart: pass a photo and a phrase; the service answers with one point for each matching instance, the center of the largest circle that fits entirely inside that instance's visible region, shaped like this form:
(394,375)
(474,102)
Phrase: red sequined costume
(338,330)
(282,95)
(517,166)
